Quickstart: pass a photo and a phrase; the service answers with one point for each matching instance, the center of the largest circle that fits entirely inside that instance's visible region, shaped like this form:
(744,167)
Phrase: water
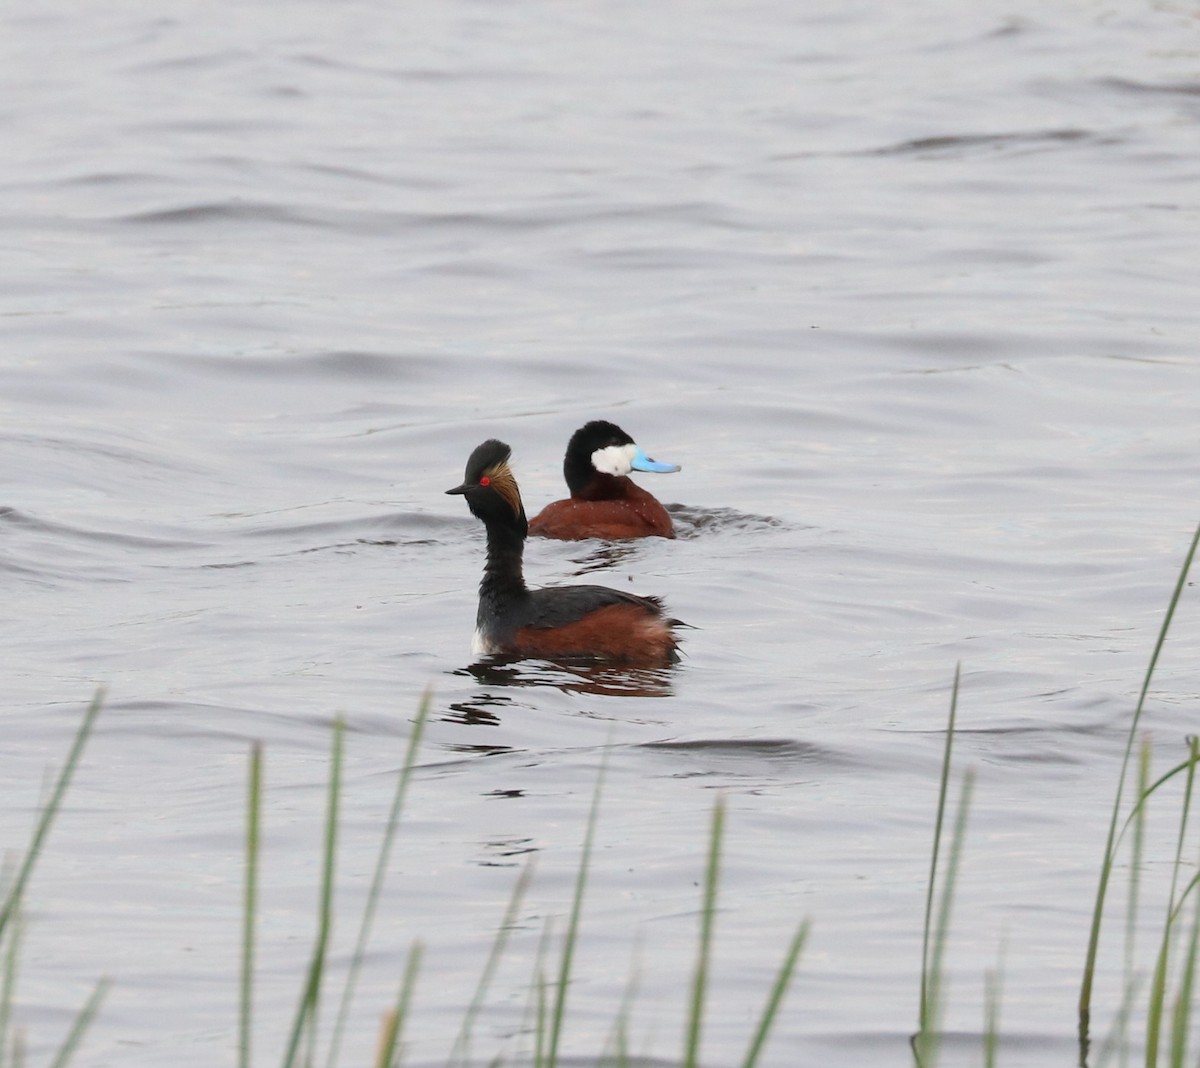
(909,291)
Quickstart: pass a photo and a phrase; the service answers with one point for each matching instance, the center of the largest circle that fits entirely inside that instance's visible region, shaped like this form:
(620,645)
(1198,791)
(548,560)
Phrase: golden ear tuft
(505,484)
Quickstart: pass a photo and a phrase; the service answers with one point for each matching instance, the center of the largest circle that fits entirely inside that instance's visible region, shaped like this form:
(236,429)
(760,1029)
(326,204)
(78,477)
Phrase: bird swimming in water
(604,501)
(556,621)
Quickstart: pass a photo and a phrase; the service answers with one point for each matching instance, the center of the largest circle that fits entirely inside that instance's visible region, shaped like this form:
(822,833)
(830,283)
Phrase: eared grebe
(604,503)
(558,621)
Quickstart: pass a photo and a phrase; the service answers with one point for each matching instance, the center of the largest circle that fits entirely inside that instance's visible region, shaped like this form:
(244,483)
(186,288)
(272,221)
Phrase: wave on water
(1129,85)
(963,145)
(693,522)
(14,518)
(283,540)
(597,555)
(393,528)
(344,365)
(50,552)
(241,212)
(757,750)
(467,224)
(38,547)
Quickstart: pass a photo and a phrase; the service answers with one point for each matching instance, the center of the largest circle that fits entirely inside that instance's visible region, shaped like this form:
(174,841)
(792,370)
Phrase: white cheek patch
(614,459)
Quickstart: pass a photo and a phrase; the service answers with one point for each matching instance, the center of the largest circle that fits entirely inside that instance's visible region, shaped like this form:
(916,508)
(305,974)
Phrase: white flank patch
(614,459)
(480,646)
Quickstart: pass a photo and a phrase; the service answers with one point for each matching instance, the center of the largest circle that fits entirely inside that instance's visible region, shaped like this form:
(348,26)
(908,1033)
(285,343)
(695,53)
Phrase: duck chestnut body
(557,621)
(604,502)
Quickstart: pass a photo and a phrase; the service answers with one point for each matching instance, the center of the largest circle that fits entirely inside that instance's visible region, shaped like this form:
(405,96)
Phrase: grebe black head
(490,488)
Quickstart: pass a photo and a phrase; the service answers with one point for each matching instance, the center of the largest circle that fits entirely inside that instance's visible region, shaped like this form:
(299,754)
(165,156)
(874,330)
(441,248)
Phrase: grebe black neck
(494,498)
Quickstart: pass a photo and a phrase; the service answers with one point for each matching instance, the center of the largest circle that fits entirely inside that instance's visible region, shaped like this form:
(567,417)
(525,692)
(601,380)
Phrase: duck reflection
(497,672)
(476,712)
(571,676)
(506,852)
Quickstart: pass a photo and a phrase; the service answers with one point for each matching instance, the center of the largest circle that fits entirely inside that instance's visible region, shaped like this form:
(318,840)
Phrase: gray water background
(909,290)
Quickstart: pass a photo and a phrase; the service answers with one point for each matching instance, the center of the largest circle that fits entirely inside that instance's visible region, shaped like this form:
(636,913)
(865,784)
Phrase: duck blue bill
(642,462)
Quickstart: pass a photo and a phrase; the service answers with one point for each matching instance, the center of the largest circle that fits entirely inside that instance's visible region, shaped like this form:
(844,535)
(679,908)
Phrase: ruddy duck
(604,503)
(557,621)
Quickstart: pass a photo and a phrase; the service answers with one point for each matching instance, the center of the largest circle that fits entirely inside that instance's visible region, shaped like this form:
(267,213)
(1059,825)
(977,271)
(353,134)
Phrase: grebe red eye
(485,481)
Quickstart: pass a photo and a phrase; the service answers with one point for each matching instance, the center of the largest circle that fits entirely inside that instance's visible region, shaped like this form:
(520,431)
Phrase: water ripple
(962,146)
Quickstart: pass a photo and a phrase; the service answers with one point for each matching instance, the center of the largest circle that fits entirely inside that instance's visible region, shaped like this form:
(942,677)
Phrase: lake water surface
(908,290)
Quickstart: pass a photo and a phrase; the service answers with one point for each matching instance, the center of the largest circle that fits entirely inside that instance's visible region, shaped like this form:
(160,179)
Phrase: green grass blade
(782,981)
(461,1048)
(250,903)
(375,889)
(1188,889)
(306,1011)
(1089,967)
(1154,1012)
(616,1048)
(1137,819)
(1146,792)
(1158,986)
(49,811)
(82,1021)
(387,1038)
(1117,1039)
(571,938)
(939,823)
(540,1022)
(1184,812)
(1182,1010)
(708,913)
(927,1042)
(389,1047)
(8,991)
(532,1017)
(993,991)
(1158,1000)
